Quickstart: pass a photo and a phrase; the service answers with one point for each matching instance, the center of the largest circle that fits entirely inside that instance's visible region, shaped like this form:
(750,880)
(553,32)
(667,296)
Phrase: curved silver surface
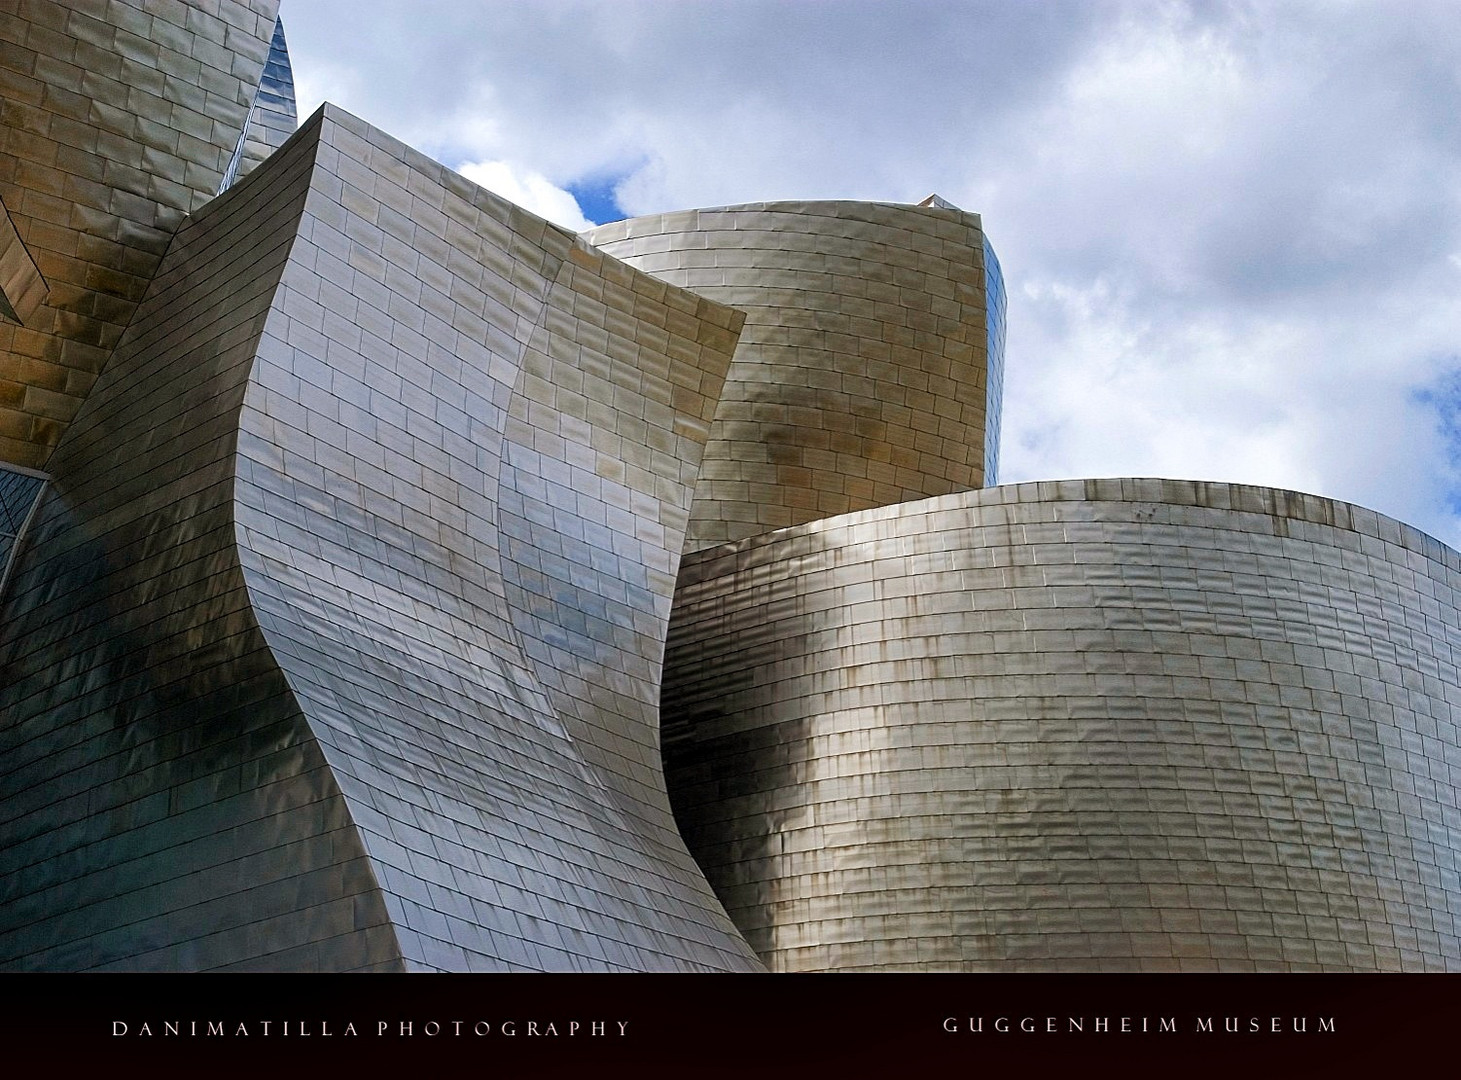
(864,374)
(334,639)
(1087,725)
(336,642)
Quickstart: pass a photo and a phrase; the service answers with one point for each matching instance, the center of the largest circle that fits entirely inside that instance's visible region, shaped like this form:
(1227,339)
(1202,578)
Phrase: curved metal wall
(165,804)
(116,121)
(1104,725)
(336,641)
(863,373)
(466,460)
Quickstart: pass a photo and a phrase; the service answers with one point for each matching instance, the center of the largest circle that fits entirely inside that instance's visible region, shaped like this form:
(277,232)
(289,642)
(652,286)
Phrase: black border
(726,1025)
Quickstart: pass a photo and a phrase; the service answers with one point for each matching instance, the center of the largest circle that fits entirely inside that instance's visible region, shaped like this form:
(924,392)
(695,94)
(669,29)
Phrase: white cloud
(1229,230)
(528,189)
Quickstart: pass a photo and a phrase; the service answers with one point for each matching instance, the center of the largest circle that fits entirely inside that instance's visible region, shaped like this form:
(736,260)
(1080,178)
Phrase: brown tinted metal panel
(1102,725)
(115,122)
(861,379)
(22,289)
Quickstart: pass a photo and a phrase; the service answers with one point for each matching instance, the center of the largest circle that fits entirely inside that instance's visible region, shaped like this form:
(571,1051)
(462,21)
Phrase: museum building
(393,580)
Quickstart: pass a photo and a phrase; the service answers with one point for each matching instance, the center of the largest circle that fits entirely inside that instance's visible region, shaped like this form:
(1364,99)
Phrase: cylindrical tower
(868,371)
(1086,725)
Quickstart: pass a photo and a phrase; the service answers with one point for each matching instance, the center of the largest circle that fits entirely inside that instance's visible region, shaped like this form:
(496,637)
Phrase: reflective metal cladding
(363,537)
(116,121)
(336,642)
(1135,725)
(867,373)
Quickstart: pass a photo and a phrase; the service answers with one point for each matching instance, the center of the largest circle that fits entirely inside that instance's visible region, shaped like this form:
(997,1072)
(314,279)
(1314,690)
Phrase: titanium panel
(165,804)
(272,117)
(466,461)
(863,377)
(338,643)
(116,120)
(994,317)
(22,289)
(1086,725)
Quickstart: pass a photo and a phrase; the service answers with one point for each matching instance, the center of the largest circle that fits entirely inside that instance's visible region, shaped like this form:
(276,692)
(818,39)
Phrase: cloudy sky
(1231,232)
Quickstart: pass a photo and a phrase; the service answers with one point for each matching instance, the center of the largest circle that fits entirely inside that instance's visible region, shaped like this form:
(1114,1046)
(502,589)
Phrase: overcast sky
(1231,232)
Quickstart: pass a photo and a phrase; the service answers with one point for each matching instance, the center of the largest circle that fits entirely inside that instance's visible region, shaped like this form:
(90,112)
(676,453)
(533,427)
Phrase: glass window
(18,493)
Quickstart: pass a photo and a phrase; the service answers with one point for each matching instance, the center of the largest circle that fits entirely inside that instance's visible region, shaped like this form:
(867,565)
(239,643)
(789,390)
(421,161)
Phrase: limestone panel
(1100,725)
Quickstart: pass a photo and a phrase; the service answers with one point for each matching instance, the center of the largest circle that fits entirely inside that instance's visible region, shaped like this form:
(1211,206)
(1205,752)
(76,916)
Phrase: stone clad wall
(1099,725)
(861,376)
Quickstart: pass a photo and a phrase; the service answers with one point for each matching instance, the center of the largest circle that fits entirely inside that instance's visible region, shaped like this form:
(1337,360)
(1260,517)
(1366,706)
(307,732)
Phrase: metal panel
(272,116)
(337,645)
(864,376)
(1099,725)
(166,803)
(464,480)
(116,120)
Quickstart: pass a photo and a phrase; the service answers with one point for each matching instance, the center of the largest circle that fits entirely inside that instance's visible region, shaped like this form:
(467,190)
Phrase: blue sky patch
(1443,398)
(596,199)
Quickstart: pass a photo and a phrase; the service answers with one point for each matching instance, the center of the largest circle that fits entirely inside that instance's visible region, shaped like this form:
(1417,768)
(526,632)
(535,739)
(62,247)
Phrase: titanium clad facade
(22,289)
(116,120)
(272,117)
(864,376)
(335,643)
(341,529)
(994,313)
(1099,725)
(166,806)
